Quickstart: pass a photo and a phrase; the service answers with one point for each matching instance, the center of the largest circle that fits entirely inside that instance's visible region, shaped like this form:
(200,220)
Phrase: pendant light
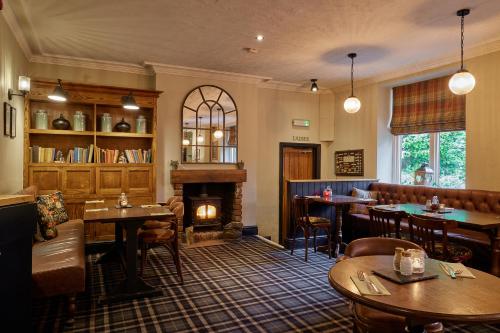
(218,133)
(352,104)
(59,94)
(200,138)
(462,82)
(314,85)
(128,102)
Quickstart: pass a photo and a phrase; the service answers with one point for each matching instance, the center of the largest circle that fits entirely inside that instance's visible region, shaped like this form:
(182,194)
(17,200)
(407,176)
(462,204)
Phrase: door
(297,161)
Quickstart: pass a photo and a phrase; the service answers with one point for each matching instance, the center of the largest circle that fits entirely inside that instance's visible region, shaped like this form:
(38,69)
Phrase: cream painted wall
(12,64)
(276,109)
(367,129)
(91,76)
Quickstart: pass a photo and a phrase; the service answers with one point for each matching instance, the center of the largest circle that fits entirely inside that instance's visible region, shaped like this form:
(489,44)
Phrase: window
(444,151)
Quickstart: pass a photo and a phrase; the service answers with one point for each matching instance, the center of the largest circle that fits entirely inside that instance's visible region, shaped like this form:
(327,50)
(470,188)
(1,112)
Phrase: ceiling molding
(421,68)
(10,19)
(91,64)
(205,73)
(292,87)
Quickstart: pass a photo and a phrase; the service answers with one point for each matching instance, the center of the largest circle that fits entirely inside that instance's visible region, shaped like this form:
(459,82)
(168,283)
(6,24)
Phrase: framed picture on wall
(6,118)
(13,116)
(349,162)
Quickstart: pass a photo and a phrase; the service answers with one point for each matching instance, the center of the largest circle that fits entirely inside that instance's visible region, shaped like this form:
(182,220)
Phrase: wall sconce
(23,85)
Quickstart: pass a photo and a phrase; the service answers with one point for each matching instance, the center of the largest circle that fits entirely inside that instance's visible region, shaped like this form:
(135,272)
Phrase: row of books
(89,154)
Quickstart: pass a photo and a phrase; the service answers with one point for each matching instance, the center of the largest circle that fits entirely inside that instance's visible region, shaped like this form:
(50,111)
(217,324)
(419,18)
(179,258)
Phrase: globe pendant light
(218,133)
(352,104)
(59,94)
(200,138)
(462,82)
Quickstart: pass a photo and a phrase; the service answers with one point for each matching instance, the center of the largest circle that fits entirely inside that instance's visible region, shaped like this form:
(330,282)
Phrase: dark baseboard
(250,230)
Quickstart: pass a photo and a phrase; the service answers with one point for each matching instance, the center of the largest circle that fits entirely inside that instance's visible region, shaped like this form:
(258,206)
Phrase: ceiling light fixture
(128,102)
(462,82)
(218,133)
(314,86)
(352,104)
(259,38)
(59,94)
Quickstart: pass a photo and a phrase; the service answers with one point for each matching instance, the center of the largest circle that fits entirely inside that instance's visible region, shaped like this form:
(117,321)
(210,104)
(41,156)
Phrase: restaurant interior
(250,166)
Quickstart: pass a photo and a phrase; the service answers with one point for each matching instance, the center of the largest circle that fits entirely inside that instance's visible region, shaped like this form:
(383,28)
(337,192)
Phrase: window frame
(434,157)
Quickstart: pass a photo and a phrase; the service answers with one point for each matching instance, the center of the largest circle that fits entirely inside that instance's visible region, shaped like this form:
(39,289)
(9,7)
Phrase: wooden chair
(366,319)
(432,235)
(309,224)
(154,224)
(385,223)
(165,235)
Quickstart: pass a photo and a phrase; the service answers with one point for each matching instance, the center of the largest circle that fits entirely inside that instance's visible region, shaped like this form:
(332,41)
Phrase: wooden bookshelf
(88,181)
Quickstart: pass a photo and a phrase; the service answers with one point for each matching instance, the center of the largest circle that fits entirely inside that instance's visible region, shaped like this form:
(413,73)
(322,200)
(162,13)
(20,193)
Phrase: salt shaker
(397,258)
(406,264)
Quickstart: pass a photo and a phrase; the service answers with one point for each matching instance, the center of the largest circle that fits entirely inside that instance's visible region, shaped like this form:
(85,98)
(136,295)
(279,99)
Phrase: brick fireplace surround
(179,178)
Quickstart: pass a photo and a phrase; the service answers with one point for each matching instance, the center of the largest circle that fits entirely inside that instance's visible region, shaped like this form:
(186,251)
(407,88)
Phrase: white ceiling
(303,38)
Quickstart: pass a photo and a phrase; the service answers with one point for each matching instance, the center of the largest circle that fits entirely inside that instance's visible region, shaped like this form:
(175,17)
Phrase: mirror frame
(202,102)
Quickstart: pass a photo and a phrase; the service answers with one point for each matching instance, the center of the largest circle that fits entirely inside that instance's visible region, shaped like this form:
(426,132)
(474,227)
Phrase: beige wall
(12,64)
(368,130)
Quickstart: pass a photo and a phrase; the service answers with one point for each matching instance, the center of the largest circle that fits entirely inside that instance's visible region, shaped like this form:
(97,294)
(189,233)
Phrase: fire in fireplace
(206,210)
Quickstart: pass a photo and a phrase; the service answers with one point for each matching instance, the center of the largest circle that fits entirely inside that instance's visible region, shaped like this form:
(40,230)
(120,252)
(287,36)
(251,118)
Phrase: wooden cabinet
(89,181)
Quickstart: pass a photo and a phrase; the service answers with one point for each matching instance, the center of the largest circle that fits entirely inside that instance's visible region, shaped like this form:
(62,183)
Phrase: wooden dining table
(473,220)
(339,202)
(128,219)
(461,300)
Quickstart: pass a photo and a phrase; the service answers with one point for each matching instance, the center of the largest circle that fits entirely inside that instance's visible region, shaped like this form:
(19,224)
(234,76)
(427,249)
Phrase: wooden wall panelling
(110,180)
(48,179)
(139,180)
(78,180)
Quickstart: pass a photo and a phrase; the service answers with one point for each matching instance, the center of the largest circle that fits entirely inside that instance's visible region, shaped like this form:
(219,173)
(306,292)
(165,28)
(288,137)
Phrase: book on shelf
(89,154)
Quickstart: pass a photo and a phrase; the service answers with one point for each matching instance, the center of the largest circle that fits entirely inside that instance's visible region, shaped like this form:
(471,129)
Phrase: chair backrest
(300,210)
(372,246)
(384,223)
(170,201)
(428,231)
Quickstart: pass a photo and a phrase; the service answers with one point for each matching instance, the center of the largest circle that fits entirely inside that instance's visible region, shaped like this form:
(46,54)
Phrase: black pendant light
(462,82)
(352,104)
(314,86)
(59,94)
(128,102)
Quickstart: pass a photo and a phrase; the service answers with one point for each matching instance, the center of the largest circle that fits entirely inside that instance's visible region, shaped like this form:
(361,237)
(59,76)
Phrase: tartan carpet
(248,286)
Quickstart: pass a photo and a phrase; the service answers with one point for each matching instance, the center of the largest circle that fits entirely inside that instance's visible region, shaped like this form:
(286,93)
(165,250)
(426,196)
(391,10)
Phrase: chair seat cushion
(156,235)
(457,253)
(58,265)
(153,224)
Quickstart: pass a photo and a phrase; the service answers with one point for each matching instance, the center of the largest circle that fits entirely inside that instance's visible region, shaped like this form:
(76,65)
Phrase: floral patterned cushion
(52,212)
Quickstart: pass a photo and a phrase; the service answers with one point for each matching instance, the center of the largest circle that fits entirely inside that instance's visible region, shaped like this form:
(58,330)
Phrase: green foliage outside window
(415,150)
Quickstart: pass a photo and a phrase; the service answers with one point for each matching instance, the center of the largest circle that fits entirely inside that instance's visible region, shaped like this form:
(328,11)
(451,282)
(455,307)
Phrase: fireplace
(206,210)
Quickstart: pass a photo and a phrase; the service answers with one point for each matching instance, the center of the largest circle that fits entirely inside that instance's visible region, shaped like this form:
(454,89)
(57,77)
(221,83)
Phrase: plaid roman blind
(425,107)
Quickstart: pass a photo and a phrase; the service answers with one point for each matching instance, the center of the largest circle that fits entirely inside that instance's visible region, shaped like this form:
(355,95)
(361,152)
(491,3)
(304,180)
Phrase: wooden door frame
(316,148)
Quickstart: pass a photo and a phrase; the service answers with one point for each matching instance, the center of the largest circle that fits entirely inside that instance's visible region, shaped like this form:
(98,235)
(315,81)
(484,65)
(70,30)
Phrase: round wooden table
(460,300)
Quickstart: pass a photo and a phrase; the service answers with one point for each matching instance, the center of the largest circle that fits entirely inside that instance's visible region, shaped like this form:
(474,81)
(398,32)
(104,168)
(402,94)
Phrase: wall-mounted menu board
(349,162)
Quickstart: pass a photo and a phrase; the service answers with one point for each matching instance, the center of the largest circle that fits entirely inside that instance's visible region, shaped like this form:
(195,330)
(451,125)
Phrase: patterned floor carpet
(248,286)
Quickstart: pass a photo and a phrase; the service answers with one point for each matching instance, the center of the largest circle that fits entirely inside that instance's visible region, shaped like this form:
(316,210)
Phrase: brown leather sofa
(58,265)
(473,200)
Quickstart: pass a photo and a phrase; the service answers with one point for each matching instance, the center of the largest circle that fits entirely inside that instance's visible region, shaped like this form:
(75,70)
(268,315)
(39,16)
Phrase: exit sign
(301,122)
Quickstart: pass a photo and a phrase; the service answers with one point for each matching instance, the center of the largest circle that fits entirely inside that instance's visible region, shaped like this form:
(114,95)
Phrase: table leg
(495,251)
(116,251)
(133,286)
(337,238)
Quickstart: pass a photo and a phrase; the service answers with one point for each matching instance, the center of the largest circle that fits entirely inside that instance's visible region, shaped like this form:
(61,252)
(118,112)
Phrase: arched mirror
(209,126)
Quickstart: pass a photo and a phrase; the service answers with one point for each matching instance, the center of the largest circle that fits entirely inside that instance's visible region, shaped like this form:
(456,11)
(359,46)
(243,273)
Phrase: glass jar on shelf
(41,119)
(79,121)
(140,125)
(106,123)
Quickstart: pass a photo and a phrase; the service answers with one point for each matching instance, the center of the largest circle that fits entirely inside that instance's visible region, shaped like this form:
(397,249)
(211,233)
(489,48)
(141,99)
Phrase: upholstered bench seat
(58,265)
